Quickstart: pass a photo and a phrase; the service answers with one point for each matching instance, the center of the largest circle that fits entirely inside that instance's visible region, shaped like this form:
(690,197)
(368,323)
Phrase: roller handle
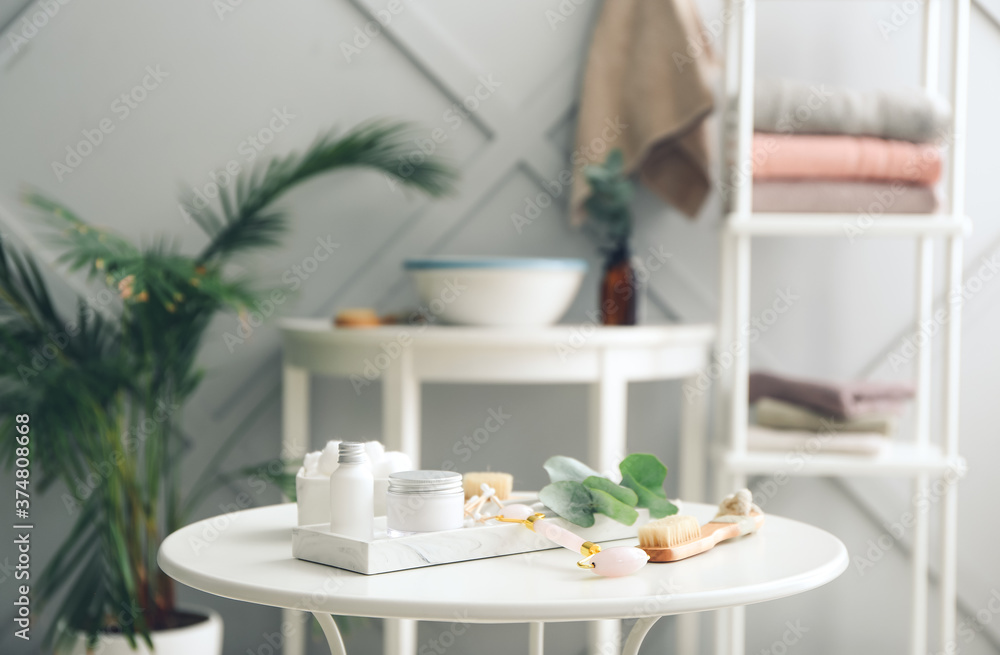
(561,536)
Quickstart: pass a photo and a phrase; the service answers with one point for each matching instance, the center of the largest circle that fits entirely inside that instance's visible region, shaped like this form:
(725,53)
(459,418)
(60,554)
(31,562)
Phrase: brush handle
(711,534)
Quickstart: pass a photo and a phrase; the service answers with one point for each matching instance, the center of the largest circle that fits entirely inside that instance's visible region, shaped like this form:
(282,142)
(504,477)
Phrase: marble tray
(315,543)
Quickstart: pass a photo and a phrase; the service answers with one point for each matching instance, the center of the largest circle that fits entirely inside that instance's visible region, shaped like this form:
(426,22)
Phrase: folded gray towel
(798,108)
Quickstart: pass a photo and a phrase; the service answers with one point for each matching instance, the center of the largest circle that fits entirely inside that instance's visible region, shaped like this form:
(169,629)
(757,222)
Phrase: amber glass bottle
(619,288)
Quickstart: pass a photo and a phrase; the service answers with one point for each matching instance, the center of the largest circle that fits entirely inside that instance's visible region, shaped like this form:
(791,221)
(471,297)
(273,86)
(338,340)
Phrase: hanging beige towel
(646,91)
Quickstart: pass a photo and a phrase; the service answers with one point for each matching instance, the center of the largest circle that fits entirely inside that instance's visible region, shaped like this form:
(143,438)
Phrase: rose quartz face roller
(611,563)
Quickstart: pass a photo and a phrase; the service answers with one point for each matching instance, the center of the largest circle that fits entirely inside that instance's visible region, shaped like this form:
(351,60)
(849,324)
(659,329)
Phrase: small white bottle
(352,503)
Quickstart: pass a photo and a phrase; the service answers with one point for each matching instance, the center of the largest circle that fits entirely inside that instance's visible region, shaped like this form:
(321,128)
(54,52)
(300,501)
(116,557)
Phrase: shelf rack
(918,459)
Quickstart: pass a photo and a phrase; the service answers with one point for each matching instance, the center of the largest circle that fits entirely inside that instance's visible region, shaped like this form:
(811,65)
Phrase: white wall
(228,73)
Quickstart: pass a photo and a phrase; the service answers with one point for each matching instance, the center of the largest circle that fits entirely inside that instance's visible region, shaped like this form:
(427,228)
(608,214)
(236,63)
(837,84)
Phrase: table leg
(638,633)
(294,444)
(608,416)
(730,624)
(401,407)
(332,632)
(604,637)
(399,637)
(692,487)
(536,638)
(401,431)
(608,429)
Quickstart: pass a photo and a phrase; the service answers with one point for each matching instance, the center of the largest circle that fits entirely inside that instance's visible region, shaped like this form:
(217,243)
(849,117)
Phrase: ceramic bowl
(496,291)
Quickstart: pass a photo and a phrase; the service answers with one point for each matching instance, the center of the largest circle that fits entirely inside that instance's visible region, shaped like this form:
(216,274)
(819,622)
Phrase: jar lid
(425,482)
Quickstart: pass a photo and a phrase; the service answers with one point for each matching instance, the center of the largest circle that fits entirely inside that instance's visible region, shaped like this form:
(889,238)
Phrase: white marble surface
(315,543)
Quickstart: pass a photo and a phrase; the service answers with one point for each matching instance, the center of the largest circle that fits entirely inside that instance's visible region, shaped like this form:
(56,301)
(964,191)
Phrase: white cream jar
(424,501)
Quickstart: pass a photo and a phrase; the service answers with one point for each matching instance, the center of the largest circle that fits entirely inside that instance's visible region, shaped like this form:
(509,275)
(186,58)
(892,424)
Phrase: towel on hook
(645,92)
(841,400)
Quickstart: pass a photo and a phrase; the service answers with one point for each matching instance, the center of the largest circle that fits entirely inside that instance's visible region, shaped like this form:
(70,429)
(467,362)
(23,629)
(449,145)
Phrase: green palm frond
(243,221)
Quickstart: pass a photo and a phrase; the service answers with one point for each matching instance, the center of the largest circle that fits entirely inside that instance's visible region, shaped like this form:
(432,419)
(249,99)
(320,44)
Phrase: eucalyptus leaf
(607,504)
(616,491)
(644,474)
(561,468)
(570,500)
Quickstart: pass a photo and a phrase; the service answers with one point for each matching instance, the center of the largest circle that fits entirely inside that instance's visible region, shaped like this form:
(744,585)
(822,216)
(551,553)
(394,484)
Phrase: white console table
(403,357)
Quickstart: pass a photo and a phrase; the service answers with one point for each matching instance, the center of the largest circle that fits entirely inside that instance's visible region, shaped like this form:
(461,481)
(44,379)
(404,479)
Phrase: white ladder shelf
(918,459)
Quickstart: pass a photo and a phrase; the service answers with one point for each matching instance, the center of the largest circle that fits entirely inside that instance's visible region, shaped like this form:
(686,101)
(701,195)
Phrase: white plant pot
(204,638)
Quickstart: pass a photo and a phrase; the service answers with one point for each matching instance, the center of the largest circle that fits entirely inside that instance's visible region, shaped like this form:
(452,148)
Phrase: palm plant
(104,386)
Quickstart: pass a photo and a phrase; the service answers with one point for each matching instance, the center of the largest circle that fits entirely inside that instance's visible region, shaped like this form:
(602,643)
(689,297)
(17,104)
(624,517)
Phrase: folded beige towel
(778,414)
(800,441)
(644,93)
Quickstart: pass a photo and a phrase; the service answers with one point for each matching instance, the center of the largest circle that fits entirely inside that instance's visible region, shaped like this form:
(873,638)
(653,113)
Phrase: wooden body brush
(679,537)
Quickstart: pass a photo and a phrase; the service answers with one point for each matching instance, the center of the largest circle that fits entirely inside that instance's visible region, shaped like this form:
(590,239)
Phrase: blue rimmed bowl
(496,291)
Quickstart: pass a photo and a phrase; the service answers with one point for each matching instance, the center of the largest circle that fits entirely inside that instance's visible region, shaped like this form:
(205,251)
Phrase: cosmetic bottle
(352,505)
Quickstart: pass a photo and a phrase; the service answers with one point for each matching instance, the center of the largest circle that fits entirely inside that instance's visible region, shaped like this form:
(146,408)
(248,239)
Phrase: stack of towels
(823,149)
(851,417)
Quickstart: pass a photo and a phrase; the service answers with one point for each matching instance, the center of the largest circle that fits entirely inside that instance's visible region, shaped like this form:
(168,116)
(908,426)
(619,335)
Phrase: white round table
(247,556)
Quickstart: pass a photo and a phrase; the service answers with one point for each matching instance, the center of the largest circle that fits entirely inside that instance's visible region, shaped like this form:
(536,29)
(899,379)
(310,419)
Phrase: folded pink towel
(798,156)
(841,400)
(846,197)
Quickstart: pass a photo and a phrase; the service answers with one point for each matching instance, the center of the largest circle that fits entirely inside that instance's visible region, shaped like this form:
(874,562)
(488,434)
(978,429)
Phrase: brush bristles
(502,482)
(669,532)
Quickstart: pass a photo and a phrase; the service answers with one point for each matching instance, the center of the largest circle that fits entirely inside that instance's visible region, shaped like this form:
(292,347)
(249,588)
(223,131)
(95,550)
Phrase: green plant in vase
(609,209)
(100,411)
